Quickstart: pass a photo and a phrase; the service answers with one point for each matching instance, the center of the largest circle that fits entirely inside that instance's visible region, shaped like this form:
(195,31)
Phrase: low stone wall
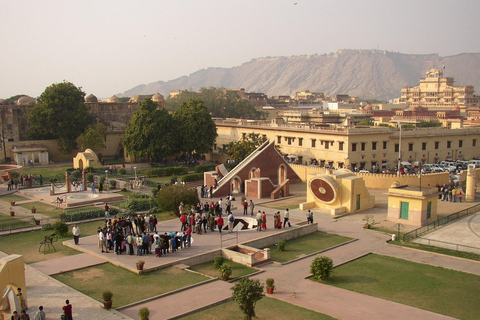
(288,234)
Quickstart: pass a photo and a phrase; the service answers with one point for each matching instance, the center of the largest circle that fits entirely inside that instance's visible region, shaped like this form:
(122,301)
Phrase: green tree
(195,128)
(240,149)
(93,137)
(169,197)
(247,293)
(365,123)
(60,114)
(151,132)
(429,124)
(321,267)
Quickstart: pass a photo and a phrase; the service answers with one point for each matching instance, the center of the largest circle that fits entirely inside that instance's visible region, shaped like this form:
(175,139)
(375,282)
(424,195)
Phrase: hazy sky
(107,47)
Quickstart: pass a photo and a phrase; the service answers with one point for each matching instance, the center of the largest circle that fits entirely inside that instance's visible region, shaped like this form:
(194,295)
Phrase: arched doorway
(282,174)
(80,164)
(236,185)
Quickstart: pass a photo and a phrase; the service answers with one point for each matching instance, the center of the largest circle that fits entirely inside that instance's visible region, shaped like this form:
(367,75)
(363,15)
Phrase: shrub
(60,228)
(144,313)
(89,177)
(91,169)
(122,171)
(193,177)
(14,174)
(173,179)
(217,262)
(113,184)
(247,293)
(154,192)
(124,189)
(76,175)
(102,179)
(169,197)
(88,214)
(205,167)
(140,195)
(270,283)
(107,295)
(141,205)
(225,271)
(281,245)
(321,267)
(70,169)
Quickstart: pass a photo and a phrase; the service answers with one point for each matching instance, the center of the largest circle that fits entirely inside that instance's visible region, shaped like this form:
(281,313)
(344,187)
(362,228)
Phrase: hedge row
(162,172)
(193,177)
(205,167)
(141,205)
(89,214)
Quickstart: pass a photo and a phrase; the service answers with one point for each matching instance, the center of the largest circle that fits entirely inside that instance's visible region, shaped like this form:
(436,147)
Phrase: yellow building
(435,90)
(349,146)
(412,205)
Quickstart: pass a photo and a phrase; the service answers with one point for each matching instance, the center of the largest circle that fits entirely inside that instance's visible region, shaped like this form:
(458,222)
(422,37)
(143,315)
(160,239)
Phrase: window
(289,141)
(474,142)
(279,139)
(327,144)
(215,146)
(340,146)
(424,146)
(396,147)
(354,147)
(437,144)
(300,141)
(410,147)
(363,146)
(374,145)
(313,143)
(460,143)
(385,145)
(449,144)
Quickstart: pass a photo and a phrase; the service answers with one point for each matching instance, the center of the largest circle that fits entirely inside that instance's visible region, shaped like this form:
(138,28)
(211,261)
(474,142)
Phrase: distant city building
(435,90)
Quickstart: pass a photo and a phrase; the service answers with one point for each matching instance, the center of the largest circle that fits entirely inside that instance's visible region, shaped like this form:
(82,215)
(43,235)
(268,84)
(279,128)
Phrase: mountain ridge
(368,74)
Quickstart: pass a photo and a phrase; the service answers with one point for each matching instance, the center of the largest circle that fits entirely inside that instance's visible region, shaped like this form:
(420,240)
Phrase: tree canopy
(195,129)
(247,293)
(240,149)
(219,102)
(151,133)
(59,114)
(93,137)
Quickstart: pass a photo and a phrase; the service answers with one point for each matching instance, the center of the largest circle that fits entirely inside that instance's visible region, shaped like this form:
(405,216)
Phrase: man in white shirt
(101,241)
(286,217)
(76,234)
(231,220)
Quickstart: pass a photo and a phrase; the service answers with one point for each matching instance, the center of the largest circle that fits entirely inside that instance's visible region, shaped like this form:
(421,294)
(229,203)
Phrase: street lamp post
(135,168)
(106,172)
(399,149)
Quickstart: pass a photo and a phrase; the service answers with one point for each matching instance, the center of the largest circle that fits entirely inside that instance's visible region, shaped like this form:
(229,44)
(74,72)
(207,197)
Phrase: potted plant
(34,210)
(12,213)
(107,299)
(35,221)
(144,314)
(12,203)
(369,221)
(140,264)
(270,285)
(225,271)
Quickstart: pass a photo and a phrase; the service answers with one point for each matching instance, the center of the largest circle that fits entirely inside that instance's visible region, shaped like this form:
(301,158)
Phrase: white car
(364,171)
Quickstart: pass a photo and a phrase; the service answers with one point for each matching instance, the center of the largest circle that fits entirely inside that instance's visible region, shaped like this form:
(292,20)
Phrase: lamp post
(135,168)
(399,149)
(106,172)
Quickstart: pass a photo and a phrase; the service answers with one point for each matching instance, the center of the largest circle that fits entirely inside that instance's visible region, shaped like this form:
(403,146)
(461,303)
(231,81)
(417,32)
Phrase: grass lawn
(453,253)
(12,197)
(439,290)
(238,270)
(267,308)
(27,243)
(8,222)
(46,172)
(127,287)
(307,244)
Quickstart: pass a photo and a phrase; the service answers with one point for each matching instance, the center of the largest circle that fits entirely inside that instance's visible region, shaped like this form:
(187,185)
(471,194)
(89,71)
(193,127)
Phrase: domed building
(159,99)
(26,101)
(91,99)
(113,99)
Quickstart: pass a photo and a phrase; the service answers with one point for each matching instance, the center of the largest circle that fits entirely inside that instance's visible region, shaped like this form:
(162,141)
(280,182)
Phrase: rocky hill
(364,73)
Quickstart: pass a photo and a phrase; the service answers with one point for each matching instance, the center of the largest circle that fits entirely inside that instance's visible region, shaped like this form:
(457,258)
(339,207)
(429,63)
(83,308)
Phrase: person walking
(286,218)
(67,310)
(40,315)
(245,207)
(252,206)
(220,223)
(92,186)
(76,234)
(231,220)
(309,217)
(259,220)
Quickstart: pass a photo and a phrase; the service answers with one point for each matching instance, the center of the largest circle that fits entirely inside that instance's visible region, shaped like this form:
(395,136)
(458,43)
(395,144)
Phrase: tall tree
(93,137)
(60,114)
(195,128)
(247,293)
(240,149)
(150,134)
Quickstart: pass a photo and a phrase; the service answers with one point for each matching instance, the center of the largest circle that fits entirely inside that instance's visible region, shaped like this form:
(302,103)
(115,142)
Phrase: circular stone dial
(324,190)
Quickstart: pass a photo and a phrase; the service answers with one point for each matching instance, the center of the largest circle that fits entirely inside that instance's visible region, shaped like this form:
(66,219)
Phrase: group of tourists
(25,181)
(449,193)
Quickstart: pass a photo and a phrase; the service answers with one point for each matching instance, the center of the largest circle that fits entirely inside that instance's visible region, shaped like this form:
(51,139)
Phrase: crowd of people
(449,193)
(29,180)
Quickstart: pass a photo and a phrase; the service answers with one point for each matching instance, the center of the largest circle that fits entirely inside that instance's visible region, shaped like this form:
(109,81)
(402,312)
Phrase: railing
(440,222)
(448,245)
